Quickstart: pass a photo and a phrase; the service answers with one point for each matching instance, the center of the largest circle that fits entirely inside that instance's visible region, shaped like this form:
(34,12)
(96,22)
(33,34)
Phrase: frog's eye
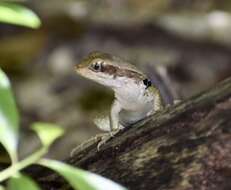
(97,66)
(147,83)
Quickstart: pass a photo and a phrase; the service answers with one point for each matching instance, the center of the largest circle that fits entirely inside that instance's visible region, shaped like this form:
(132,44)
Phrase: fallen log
(185,146)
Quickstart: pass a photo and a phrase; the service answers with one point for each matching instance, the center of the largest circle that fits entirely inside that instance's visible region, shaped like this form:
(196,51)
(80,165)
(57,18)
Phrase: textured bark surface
(186,146)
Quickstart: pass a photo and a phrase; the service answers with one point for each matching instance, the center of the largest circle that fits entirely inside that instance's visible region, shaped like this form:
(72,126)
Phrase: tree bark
(185,146)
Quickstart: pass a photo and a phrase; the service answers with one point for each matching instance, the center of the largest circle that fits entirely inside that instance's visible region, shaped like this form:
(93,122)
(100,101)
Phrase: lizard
(135,97)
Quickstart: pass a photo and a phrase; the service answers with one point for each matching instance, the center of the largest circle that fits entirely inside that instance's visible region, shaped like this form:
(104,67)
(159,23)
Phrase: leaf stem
(22,164)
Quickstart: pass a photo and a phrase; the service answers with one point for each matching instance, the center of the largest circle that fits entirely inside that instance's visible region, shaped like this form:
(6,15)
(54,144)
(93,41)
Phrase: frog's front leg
(113,123)
(110,122)
(114,116)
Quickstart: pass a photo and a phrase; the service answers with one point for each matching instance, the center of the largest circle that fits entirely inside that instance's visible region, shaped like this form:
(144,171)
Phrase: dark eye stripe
(117,72)
(109,69)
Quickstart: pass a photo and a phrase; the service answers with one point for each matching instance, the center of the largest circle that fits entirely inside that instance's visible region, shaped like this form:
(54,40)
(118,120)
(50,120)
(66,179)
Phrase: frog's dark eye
(97,66)
(147,83)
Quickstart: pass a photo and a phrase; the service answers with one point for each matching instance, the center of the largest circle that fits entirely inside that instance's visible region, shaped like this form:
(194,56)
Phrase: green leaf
(22,182)
(47,132)
(16,14)
(9,118)
(80,179)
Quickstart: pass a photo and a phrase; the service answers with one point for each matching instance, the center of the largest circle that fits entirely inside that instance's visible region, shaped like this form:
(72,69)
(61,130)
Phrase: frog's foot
(106,137)
(87,143)
(101,138)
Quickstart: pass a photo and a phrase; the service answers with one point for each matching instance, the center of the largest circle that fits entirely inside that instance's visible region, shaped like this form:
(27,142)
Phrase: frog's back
(159,102)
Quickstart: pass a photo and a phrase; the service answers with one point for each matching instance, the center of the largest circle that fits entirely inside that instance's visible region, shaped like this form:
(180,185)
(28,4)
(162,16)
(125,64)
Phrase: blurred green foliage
(16,14)
(22,182)
(9,119)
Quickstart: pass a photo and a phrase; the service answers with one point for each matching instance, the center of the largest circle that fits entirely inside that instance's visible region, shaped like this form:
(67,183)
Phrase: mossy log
(185,146)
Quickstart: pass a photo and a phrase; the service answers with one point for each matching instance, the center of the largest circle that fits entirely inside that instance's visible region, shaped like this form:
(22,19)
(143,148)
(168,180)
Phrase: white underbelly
(128,117)
(136,103)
